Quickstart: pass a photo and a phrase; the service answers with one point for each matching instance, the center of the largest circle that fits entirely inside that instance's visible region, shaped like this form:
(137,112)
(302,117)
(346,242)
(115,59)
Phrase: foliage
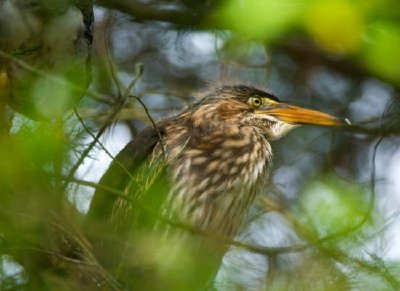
(329,218)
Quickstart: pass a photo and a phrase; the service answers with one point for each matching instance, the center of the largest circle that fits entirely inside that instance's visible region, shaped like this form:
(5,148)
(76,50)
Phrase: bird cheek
(229,110)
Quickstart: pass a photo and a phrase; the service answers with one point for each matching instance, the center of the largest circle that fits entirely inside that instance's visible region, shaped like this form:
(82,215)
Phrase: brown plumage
(210,164)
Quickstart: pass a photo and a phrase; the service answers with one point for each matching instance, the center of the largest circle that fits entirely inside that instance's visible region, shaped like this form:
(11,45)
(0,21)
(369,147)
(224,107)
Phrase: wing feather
(106,223)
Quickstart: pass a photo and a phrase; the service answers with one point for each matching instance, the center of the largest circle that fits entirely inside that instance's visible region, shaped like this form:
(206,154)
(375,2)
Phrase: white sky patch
(97,163)
(194,49)
(373,101)
(204,43)
(393,190)
(11,268)
(393,174)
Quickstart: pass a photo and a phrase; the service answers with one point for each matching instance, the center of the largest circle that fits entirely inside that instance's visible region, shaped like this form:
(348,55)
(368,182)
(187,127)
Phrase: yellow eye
(256,101)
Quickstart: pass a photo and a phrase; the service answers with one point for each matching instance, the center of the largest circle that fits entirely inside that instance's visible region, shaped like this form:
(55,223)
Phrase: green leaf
(332,205)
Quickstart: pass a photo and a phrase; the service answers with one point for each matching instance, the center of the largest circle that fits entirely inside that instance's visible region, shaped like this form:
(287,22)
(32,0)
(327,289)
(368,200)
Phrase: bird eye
(256,102)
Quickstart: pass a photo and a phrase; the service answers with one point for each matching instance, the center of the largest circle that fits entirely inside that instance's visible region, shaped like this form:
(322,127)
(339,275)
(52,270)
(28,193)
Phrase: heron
(203,169)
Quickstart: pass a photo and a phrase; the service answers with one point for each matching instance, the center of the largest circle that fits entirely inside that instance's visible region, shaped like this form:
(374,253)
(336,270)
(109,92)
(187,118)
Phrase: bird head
(247,106)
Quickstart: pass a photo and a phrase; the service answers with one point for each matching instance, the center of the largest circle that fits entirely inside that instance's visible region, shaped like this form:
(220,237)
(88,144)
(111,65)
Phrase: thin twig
(138,73)
(58,255)
(93,143)
(100,143)
(95,185)
(118,106)
(160,139)
(87,253)
(242,245)
(104,43)
(43,74)
(371,203)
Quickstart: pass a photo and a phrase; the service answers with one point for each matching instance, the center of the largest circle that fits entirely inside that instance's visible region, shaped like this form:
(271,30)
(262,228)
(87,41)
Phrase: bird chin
(280,129)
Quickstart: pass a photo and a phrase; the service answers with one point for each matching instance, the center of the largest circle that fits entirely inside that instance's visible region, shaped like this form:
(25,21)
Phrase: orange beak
(299,115)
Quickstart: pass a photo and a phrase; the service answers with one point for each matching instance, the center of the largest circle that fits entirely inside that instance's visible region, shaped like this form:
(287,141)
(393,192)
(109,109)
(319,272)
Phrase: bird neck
(216,172)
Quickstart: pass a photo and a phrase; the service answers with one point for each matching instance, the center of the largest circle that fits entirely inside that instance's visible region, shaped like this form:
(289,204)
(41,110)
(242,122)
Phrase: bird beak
(299,115)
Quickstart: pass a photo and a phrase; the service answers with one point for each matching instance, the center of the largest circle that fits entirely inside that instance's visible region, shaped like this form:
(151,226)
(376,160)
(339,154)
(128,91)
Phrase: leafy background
(329,218)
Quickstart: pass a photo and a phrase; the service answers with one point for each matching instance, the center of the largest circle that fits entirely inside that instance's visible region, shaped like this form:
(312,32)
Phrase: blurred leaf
(259,18)
(332,205)
(51,99)
(335,25)
(382,49)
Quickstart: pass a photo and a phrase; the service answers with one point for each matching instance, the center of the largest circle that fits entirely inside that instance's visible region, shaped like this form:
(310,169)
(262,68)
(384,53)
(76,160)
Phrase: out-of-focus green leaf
(382,50)
(332,205)
(170,259)
(51,99)
(259,18)
(335,25)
